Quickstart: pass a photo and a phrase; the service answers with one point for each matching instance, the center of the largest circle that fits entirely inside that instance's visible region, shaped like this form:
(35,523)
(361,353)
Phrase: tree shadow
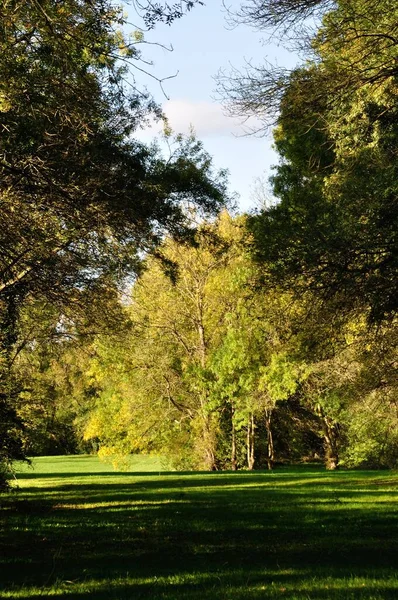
(228,528)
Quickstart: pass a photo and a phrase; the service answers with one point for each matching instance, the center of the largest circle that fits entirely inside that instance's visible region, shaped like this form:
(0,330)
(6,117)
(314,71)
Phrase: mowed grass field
(77,529)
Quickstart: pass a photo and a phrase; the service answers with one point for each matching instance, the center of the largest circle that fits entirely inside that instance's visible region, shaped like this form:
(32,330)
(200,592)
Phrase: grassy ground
(76,529)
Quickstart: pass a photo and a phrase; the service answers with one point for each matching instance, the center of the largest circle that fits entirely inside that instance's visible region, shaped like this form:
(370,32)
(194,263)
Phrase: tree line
(212,368)
(234,343)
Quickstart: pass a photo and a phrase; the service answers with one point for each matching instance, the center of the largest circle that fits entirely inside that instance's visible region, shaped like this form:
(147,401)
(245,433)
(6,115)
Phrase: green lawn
(75,528)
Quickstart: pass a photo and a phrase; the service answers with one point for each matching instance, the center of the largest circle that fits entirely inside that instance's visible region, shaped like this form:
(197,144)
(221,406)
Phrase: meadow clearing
(76,528)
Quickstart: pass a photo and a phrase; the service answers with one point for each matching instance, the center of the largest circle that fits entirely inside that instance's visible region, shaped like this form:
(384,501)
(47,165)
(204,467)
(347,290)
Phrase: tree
(337,138)
(359,35)
(80,199)
(279,14)
(190,363)
(202,370)
(241,368)
(53,350)
(174,327)
(152,12)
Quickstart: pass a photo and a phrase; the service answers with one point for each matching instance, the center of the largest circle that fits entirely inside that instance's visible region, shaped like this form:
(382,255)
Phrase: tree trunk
(331,435)
(210,460)
(270,442)
(209,457)
(8,327)
(10,424)
(250,443)
(209,454)
(234,464)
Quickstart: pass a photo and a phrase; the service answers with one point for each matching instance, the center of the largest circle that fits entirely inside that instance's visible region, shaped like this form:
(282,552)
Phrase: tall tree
(80,199)
(177,330)
(202,369)
(337,138)
(175,326)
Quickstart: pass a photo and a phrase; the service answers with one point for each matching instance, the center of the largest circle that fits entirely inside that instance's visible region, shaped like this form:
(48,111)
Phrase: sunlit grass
(77,528)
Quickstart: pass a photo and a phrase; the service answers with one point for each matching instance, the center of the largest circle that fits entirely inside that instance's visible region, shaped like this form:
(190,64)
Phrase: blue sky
(202,44)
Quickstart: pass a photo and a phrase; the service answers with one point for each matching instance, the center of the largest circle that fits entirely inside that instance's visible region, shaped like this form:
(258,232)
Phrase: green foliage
(201,369)
(372,433)
(330,238)
(163,383)
(217,361)
(337,138)
(80,199)
(283,376)
(211,372)
(191,357)
(11,429)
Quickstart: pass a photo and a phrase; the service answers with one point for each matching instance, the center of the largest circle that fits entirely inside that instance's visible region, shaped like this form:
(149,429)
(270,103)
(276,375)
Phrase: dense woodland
(138,312)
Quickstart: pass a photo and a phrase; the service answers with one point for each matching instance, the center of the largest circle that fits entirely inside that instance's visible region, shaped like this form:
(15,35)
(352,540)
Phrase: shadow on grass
(32,474)
(204,535)
(106,474)
(222,585)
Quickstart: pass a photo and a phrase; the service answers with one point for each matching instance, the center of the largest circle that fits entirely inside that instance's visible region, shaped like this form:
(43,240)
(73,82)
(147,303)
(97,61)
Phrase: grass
(77,529)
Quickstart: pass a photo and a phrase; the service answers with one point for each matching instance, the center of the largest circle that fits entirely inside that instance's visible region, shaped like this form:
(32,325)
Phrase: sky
(203,43)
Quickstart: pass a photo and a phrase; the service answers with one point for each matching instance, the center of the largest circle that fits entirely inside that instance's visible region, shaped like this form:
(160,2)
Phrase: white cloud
(206,118)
